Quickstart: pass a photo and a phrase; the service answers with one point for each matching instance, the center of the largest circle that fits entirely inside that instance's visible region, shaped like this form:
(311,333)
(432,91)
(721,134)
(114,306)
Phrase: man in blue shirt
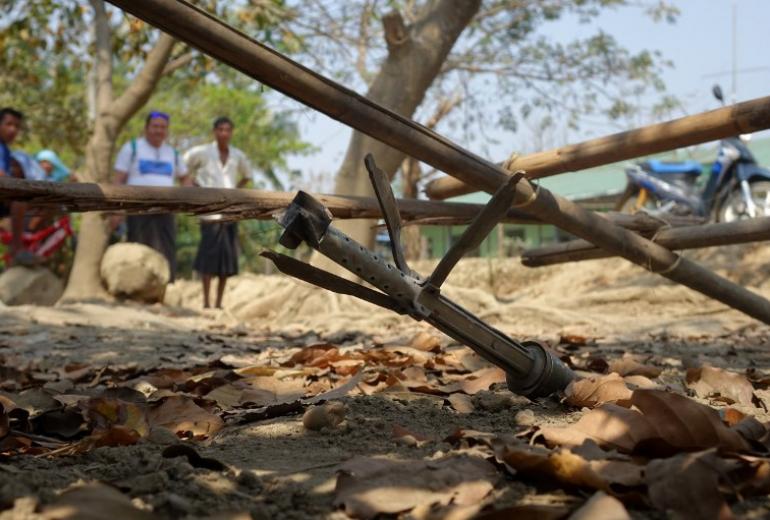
(10,126)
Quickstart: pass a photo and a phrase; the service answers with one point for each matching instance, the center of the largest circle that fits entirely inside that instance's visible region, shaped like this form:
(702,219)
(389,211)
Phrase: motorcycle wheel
(734,207)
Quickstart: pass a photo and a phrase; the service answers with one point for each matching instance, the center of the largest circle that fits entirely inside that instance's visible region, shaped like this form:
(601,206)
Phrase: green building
(596,188)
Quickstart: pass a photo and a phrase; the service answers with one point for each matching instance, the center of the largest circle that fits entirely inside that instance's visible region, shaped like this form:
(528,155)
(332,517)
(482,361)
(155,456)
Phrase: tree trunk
(85,281)
(415,56)
(412,236)
(110,116)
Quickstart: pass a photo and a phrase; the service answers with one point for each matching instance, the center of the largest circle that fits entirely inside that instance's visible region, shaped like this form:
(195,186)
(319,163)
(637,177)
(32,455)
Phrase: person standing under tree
(217,165)
(10,127)
(149,161)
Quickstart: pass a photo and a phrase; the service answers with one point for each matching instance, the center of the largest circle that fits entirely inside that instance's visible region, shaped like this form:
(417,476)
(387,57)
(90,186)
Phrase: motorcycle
(737,187)
(42,244)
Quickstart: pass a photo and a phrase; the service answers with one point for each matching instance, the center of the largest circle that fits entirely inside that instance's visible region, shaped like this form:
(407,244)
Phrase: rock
(492,401)
(524,418)
(327,415)
(135,271)
(30,285)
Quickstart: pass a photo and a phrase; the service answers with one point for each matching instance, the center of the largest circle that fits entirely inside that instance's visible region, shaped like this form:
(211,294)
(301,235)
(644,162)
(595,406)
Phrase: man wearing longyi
(218,164)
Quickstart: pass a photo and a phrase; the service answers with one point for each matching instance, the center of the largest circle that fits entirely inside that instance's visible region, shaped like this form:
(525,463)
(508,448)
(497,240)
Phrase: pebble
(524,418)
(328,415)
(248,479)
(492,401)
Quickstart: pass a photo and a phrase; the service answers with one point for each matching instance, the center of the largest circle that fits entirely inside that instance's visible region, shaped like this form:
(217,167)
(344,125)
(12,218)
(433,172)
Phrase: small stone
(179,503)
(146,388)
(524,418)
(248,479)
(328,415)
(408,440)
(33,286)
(135,271)
(162,436)
(492,401)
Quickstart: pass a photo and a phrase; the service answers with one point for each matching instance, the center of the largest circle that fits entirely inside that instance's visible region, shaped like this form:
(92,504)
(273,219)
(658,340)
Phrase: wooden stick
(690,237)
(233,203)
(262,205)
(220,41)
(742,118)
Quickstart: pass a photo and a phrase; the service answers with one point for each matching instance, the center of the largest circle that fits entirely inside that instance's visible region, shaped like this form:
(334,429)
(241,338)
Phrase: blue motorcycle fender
(752,172)
(660,188)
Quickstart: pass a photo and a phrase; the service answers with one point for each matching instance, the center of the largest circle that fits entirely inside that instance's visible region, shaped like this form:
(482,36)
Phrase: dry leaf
(426,342)
(67,423)
(476,381)
(94,502)
(610,476)
(688,485)
(527,512)
(35,401)
(367,487)
(665,423)
(596,390)
(707,381)
(257,391)
(685,424)
(183,417)
(629,365)
(608,425)
(321,355)
(461,402)
(601,507)
(104,413)
(573,340)
(636,382)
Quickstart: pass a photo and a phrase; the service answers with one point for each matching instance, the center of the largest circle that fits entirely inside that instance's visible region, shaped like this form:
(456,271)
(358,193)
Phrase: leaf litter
(630,443)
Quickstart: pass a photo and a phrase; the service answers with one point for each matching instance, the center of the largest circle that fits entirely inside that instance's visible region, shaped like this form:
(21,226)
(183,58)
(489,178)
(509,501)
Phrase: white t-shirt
(147,165)
(203,163)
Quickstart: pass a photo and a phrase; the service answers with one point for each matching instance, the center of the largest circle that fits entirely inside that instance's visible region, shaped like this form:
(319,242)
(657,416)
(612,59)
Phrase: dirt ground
(268,465)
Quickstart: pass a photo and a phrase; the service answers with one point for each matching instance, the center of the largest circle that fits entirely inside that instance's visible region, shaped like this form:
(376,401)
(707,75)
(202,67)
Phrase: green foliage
(48,61)
(48,57)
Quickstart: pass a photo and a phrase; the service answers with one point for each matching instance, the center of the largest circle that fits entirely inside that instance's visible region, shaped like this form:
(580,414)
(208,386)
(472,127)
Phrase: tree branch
(363,42)
(140,89)
(395,30)
(103,59)
(177,63)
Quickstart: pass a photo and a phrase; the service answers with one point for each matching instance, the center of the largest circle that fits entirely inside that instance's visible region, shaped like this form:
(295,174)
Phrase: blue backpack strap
(133,151)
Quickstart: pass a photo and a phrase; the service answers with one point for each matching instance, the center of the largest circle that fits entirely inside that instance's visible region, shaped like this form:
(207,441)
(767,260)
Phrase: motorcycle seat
(659,167)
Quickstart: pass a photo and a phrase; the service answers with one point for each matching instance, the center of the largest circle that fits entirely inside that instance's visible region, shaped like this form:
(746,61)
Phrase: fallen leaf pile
(76,408)
(640,434)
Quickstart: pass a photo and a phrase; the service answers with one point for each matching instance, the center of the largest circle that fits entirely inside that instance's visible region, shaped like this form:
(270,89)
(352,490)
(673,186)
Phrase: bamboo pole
(212,36)
(239,204)
(742,118)
(689,237)
(235,204)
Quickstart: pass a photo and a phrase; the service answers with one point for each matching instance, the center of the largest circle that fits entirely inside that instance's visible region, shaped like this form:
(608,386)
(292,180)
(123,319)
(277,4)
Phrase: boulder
(30,285)
(135,271)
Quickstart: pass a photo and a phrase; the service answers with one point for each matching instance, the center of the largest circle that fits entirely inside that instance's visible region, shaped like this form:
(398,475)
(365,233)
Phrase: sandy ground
(277,468)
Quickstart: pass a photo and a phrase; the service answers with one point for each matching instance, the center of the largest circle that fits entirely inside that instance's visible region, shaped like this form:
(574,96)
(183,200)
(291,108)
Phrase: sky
(700,44)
